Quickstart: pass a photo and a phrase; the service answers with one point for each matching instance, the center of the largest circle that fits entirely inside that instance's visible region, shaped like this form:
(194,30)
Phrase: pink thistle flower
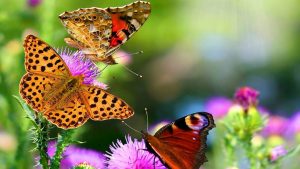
(74,156)
(80,65)
(218,106)
(131,155)
(246,97)
(276,153)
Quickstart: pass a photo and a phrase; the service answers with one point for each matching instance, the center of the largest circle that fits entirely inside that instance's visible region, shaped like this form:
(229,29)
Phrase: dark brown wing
(185,138)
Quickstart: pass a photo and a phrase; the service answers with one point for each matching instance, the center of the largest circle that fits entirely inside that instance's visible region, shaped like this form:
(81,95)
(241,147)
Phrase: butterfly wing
(45,69)
(103,105)
(100,32)
(34,87)
(72,114)
(90,29)
(182,143)
(40,58)
(126,21)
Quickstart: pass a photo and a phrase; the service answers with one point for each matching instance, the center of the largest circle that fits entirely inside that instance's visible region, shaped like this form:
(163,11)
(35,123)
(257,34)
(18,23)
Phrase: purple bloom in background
(33,3)
(122,57)
(80,65)
(246,97)
(276,153)
(293,126)
(75,156)
(276,125)
(218,106)
(131,155)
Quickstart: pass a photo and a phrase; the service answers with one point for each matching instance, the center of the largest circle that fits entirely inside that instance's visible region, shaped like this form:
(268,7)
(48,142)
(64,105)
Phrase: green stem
(64,140)
(40,132)
(249,152)
(42,142)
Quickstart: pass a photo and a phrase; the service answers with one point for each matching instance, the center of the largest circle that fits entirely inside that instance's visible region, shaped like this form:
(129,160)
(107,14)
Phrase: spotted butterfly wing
(182,143)
(99,32)
(50,88)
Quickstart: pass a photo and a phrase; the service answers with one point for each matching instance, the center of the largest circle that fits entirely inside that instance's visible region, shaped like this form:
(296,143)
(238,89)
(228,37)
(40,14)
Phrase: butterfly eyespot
(76,19)
(95,17)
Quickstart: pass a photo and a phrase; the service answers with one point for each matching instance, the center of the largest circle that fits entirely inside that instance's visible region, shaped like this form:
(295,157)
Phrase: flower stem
(42,142)
(249,152)
(64,140)
(39,131)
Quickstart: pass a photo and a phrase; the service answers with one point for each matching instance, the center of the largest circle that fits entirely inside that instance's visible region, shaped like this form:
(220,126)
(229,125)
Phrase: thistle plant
(243,143)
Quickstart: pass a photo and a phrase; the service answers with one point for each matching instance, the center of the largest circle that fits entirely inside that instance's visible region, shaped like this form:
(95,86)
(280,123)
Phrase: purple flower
(276,125)
(33,3)
(218,106)
(246,97)
(80,65)
(276,153)
(75,156)
(293,126)
(131,155)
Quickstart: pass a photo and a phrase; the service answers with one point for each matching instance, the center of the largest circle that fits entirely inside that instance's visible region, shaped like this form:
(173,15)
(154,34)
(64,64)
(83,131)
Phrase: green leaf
(29,112)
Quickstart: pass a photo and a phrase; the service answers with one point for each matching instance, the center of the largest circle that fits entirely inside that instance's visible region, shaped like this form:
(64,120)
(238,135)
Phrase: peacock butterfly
(182,143)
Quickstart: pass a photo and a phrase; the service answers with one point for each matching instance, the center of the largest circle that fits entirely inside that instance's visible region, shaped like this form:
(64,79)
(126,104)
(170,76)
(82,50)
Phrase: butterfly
(49,87)
(99,32)
(182,143)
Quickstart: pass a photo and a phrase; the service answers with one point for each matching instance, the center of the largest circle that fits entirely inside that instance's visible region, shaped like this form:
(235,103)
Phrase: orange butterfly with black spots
(49,87)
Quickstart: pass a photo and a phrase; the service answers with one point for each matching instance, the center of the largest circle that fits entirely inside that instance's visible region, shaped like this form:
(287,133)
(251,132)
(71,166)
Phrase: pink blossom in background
(246,97)
(218,106)
(293,126)
(276,125)
(33,3)
(276,153)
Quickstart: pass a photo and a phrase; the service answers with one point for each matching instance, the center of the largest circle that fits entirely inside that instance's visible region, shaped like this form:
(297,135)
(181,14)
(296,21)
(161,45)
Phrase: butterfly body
(64,99)
(59,95)
(181,144)
(99,32)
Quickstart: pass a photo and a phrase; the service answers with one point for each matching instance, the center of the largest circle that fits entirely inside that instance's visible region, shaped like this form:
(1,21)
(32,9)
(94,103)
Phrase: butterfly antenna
(131,128)
(146,111)
(104,68)
(135,53)
(131,71)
